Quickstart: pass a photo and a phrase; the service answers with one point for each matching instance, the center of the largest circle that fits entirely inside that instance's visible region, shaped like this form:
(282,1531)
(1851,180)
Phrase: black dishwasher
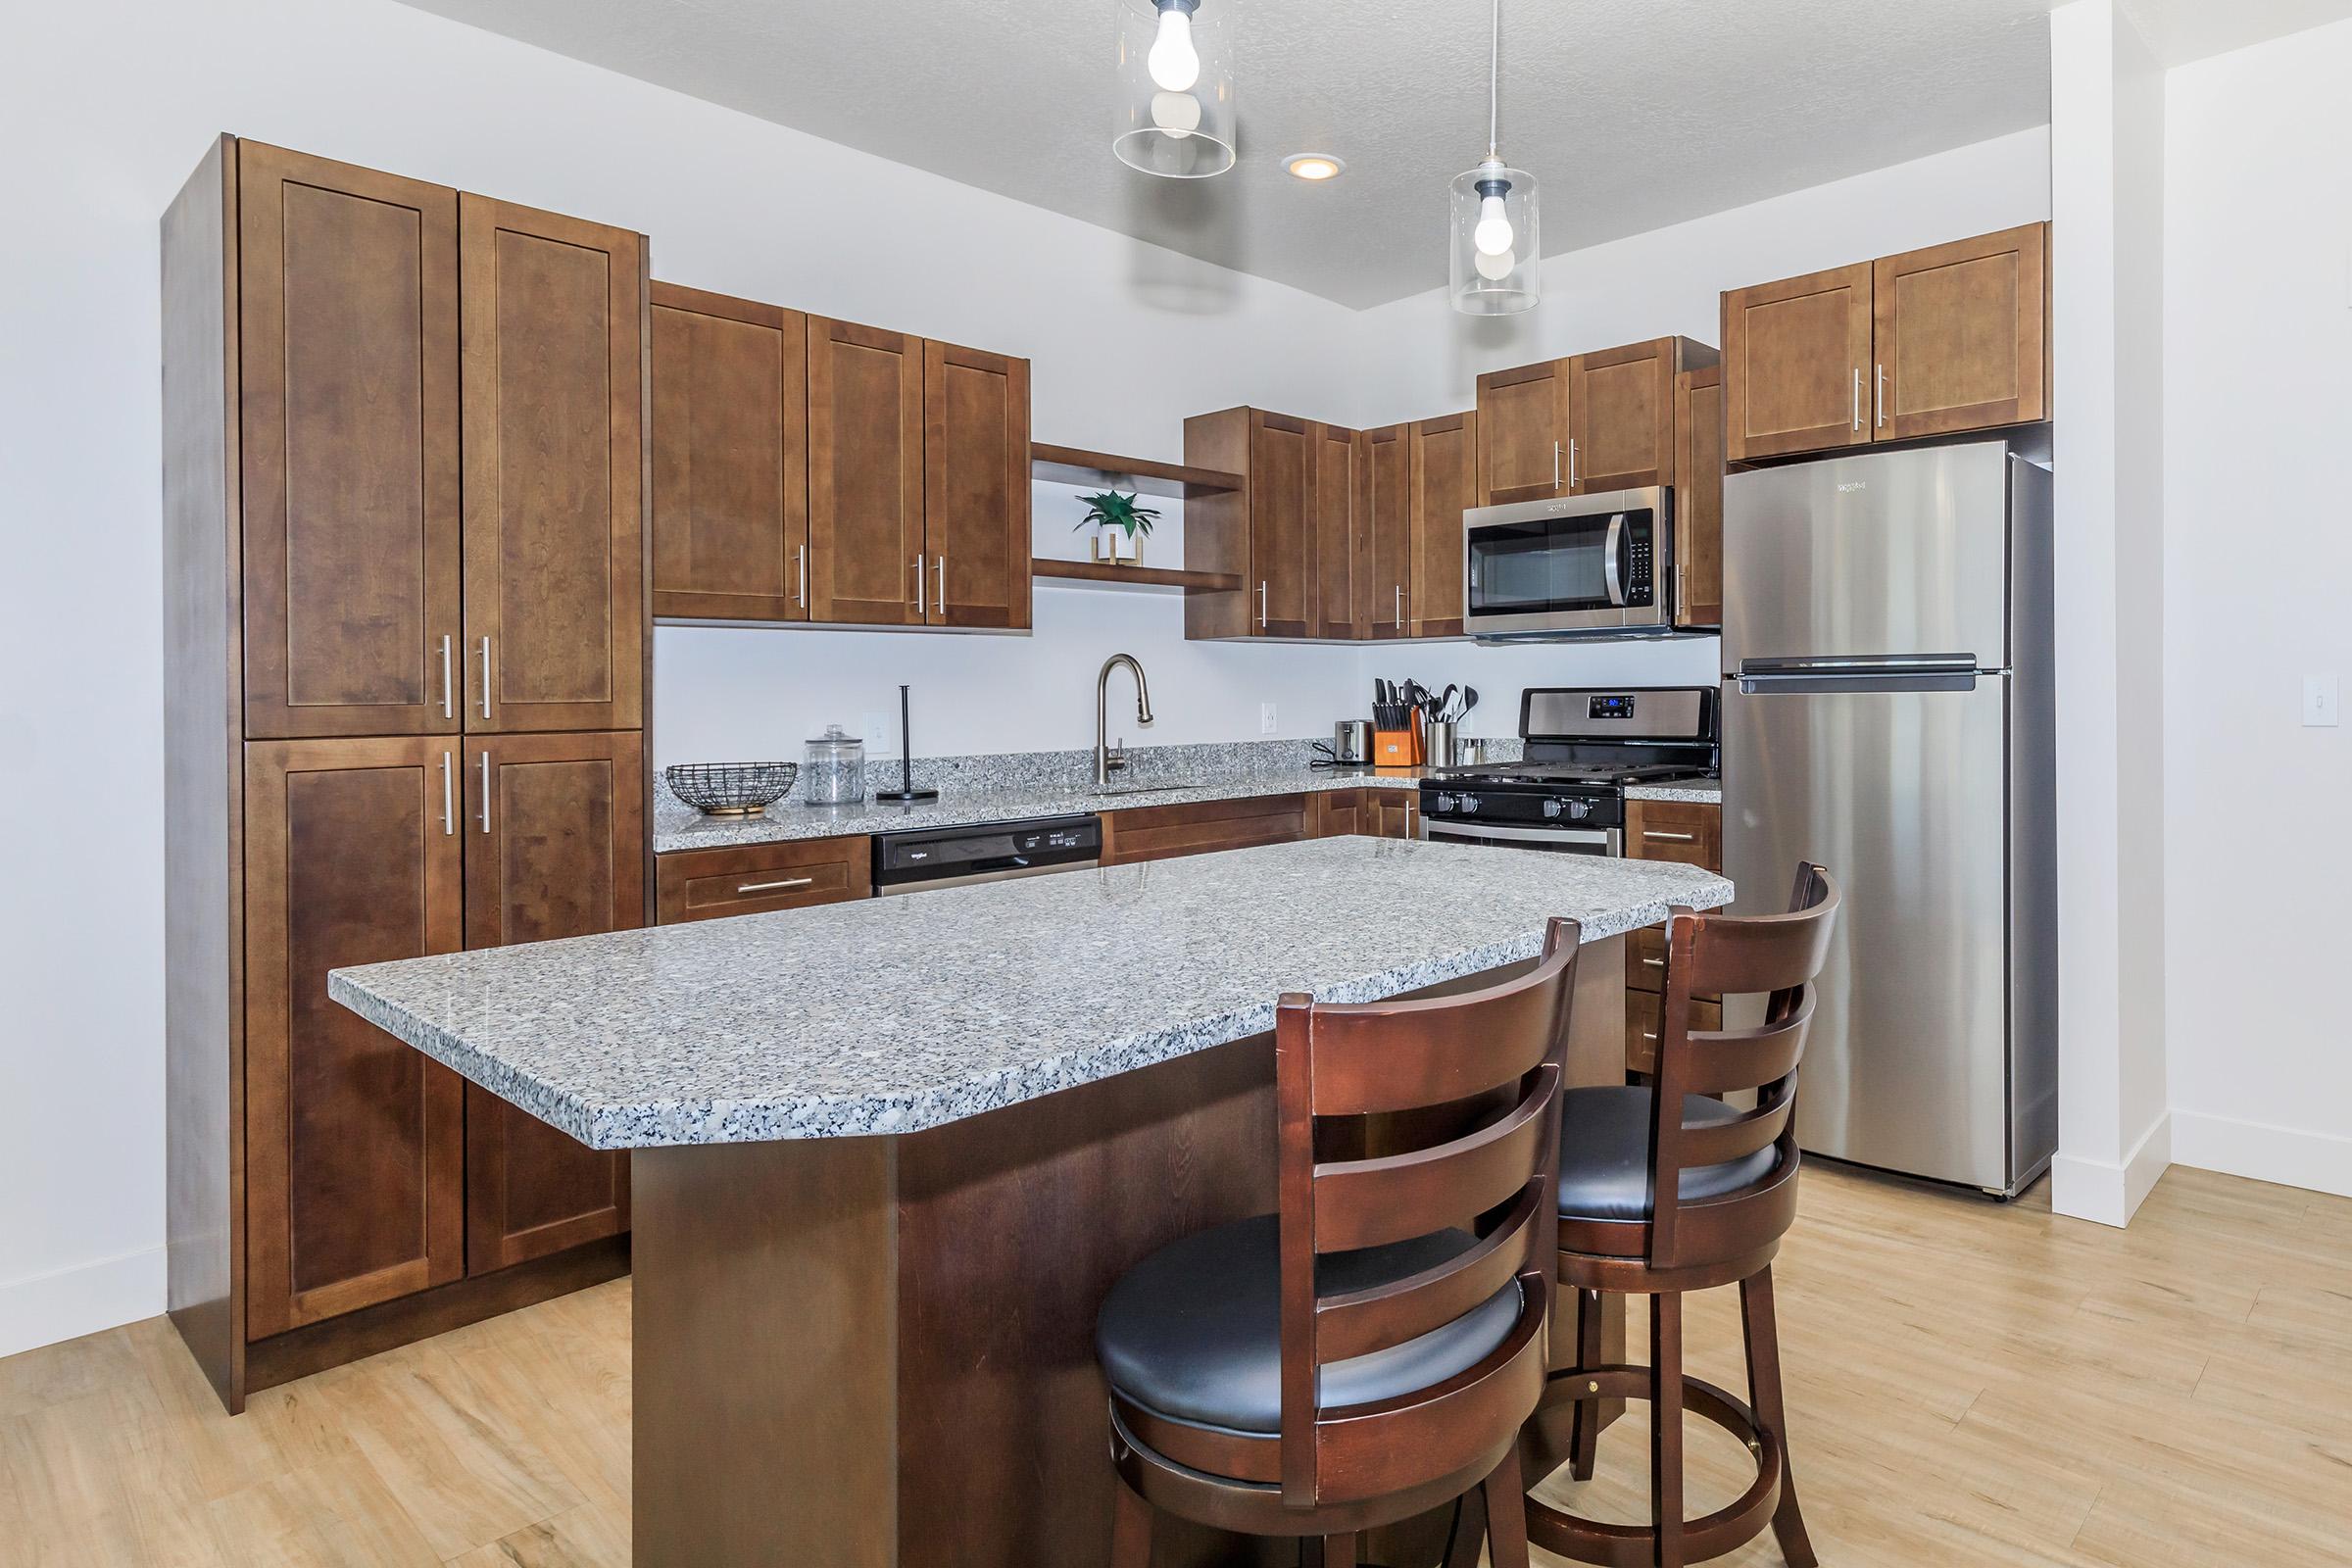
(920,860)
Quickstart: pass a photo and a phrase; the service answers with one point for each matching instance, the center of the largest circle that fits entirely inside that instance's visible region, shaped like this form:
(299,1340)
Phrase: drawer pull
(1647,1035)
(1670,838)
(777,887)
(1656,964)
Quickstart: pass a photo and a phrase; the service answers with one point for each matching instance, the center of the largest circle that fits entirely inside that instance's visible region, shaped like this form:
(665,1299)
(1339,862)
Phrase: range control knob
(1446,803)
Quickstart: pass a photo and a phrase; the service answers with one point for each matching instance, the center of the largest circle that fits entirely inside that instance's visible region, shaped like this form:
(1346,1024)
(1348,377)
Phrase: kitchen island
(892,1154)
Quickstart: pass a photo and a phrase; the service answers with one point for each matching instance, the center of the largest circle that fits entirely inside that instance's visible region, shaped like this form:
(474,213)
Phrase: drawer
(1643,1010)
(1675,830)
(1645,960)
(1159,832)
(755,878)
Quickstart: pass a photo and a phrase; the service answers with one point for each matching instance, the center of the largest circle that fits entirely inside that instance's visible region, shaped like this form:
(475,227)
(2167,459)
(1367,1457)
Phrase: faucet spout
(1105,759)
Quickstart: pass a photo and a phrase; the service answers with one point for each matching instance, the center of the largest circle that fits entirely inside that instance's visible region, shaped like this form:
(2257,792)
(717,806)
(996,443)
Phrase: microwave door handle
(1610,554)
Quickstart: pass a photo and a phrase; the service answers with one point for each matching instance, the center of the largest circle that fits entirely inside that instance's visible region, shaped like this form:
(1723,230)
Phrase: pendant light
(1497,262)
(1175,110)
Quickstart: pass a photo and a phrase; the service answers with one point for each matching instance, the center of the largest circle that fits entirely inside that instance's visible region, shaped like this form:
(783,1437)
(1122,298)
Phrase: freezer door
(1900,793)
(1887,554)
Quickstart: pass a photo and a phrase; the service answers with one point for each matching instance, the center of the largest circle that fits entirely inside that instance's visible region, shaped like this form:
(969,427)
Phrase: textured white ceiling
(1634,113)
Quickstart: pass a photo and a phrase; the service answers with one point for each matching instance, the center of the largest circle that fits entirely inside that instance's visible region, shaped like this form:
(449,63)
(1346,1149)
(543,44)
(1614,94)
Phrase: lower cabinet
(1377,811)
(1162,832)
(1689,832)
(756,878)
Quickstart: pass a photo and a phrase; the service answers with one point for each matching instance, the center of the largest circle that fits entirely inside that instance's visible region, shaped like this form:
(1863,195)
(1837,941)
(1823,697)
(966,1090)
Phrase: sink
(1152,789)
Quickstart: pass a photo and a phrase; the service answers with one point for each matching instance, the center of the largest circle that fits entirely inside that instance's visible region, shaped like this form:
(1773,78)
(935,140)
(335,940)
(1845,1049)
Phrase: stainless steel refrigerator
(1888,712)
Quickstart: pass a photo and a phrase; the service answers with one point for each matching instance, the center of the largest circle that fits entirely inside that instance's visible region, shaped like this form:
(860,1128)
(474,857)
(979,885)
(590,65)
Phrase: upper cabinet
(1698,497)
(1342,596)
(1386,553)
(815,471)
(1594,421)
(1932,342)
(348,416)
(553,408)
(730,497)
(1444,485)
(1266,532)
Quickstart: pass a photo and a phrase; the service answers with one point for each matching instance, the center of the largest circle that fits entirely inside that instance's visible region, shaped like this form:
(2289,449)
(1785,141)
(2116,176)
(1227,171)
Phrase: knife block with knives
(1396,734)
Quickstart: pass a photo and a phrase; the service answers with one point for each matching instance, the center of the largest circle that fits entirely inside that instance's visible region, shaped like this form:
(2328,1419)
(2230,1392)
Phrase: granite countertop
(679,826)
(890,1015)
(1696,791)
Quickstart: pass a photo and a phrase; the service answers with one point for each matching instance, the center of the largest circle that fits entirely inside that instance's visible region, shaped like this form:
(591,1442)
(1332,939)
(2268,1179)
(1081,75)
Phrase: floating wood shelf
(1096,572)
(1077,466)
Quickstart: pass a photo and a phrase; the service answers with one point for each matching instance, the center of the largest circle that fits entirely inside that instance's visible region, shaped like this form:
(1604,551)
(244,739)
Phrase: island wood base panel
(860,1352)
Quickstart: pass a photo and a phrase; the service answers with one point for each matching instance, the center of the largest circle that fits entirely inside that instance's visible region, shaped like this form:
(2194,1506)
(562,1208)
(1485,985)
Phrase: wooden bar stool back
(1669,1188)
(1370,1350)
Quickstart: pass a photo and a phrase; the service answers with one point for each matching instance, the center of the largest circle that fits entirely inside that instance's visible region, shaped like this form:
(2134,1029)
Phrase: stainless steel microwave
(1568,564)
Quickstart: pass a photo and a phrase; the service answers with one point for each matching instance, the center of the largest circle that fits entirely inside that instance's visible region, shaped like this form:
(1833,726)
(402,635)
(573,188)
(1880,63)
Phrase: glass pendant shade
(1174,114)
(1498,253)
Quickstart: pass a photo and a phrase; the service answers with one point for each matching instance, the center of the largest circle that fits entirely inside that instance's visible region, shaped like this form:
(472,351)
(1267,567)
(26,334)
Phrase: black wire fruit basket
(731,789)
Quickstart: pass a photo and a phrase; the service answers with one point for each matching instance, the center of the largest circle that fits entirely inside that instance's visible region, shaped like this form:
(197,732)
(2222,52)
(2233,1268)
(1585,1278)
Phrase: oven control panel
(1526,807)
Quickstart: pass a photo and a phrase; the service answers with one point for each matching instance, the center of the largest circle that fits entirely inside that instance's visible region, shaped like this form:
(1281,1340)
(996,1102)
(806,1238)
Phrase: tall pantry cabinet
(405,626)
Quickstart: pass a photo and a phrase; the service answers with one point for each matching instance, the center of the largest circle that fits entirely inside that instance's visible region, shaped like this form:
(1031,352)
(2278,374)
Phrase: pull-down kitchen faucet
(1105,759)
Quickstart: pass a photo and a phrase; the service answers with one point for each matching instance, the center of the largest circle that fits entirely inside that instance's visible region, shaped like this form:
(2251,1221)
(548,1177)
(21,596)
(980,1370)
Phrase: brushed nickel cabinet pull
(1669,838)
(922,604)
(1401,607)
(448,795)
(485,792)
(1262,605)
(804,595)
(1656,964)
(941,602)
(1572,463)
(1857,397)
(777,887)
(1647,1035)
(1555,466)
(1882,397)
(485,677)
(448,693)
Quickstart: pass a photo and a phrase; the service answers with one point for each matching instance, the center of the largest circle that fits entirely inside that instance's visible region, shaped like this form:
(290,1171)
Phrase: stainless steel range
(1584,746)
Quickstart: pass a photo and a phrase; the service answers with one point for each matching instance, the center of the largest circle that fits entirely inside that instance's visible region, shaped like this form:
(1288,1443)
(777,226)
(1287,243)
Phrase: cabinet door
(348,422)
(1962,334)
(866,475)
(1445,484)
(1165,832)
(1339,598)
(1523,433)
(1794,365)
(1340,813)
(1687,831)
(355,1161)
(1698,498)
(555,396)
(757,878)
(1393,814)
(1281,576)
(555,846)
(1388,474)
(730,458)
(976,486)
(1621,418)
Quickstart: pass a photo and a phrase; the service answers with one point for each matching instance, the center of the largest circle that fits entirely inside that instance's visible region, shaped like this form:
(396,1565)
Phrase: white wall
(2258,548)
(2107,134)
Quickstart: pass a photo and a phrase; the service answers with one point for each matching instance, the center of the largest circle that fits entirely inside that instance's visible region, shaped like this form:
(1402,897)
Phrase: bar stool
(1667,1188)
(1370,1350)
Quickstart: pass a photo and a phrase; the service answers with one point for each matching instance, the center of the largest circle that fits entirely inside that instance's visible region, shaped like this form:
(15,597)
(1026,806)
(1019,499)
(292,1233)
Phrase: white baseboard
(2288,1155)
(2110,1195)
(72,1302)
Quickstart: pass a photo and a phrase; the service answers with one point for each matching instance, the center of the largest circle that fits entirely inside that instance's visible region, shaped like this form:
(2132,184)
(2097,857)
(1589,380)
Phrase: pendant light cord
(1493,77)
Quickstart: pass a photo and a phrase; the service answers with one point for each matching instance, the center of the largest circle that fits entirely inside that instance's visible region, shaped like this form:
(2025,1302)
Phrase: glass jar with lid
(834,771)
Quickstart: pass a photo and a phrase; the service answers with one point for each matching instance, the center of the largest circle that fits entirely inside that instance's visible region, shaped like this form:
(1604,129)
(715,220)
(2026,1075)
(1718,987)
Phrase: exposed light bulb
(1495,267)
(1176,113)
(1174,64)
(1492,236)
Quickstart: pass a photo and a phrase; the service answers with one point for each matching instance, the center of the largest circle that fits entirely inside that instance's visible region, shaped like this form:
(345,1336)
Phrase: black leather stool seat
(1194,1332)
(1604,1154)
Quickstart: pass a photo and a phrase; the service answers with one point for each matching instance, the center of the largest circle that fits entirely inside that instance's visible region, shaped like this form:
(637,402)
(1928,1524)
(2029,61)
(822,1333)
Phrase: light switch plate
(1266,718)
(2319,702)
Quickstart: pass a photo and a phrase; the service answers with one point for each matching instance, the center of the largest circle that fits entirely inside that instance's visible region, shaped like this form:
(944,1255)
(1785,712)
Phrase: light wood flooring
(1968,1385)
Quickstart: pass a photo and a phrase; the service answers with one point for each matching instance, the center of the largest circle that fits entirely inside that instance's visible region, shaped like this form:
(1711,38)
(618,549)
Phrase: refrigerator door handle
(1907,664)
(1794,683)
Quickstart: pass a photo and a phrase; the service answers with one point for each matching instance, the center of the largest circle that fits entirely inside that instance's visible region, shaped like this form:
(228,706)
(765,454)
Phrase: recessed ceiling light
(1313,165)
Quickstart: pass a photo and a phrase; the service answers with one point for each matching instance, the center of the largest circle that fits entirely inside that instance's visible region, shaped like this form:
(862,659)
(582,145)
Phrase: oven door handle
(1474,832)
(1611,554)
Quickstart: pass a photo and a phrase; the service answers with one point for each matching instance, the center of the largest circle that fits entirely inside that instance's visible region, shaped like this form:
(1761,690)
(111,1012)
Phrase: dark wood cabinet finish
(866,475)
(348,415)
(1161,832)
(555,846)
(1341,601)
(1390,551)
(1444,485)
(554,393)
(1961,333)
(1394,813)
(1795,365)
(1643,1010)
(1621,417)
(1698,497)
(1687,831)
(354,1152)
(976,487)
(755,878)
(1377,811)
(730,458)
(1523,433)
(1282,536)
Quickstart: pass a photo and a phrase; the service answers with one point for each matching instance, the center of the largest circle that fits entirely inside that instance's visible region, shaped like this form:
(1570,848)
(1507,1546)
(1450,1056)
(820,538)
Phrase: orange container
(1397,747)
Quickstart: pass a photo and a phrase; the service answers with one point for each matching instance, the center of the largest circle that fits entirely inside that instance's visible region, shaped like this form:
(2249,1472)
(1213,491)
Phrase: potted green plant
(1109,511)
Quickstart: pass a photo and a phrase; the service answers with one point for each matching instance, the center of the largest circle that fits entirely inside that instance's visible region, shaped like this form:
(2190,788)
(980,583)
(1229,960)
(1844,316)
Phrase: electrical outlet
(880,732)
(2319,702)
(1266,718)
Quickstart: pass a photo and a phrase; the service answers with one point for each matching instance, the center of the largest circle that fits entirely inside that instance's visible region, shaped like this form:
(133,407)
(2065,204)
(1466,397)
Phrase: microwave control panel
(1640,560)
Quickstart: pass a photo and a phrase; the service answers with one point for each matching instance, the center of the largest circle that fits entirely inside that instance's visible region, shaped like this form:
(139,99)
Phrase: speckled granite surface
(890,1015)
(1025,784)
(1698,792)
